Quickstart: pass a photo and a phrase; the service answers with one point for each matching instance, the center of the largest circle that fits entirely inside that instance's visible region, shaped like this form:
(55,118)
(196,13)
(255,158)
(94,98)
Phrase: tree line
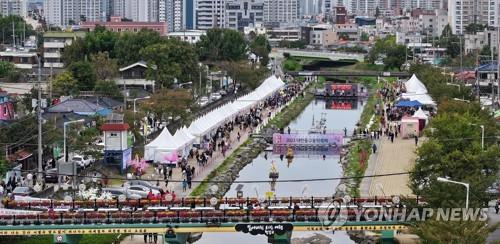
(453,149)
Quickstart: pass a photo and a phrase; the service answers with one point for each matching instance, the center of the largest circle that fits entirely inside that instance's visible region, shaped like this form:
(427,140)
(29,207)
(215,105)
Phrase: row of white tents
(184,138)
(416,91)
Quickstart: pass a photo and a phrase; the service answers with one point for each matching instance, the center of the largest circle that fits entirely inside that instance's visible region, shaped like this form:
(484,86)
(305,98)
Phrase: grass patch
(292,64)
(354,166)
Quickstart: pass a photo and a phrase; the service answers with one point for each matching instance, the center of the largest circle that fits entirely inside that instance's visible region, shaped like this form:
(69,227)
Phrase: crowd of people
(220,141)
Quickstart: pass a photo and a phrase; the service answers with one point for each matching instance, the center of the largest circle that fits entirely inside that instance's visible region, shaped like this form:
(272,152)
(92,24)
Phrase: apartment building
(243,13)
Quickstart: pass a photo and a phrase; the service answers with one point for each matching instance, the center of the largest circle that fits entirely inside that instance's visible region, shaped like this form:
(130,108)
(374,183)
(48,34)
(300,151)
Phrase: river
(302,167)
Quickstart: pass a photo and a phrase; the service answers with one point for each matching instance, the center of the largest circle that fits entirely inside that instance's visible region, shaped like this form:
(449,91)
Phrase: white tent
(210,121)
(415,86)
(161,141)
(420,114)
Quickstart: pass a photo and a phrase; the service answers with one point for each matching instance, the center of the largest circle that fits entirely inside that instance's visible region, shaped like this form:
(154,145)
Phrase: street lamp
(482,135)
(65,153)
(139,98)
(441,179)
(451,84)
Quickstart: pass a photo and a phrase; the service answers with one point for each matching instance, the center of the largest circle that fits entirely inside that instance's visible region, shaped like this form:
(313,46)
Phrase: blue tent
(409,104)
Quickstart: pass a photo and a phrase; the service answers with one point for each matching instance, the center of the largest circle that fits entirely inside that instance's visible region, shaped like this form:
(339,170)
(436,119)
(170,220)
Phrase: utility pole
(498,65)
(39,113)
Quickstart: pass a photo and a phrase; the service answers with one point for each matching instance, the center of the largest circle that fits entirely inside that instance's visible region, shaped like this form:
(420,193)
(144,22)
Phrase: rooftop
(63,34)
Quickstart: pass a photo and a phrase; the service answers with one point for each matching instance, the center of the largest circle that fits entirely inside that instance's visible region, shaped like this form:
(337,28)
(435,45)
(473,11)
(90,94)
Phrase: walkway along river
(302,167)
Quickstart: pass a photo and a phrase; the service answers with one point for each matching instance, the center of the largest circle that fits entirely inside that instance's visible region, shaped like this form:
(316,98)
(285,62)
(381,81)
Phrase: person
(374,148)
(145,238)
(184,185)
(155,237)
(150,194)
(289,130)
(150,237)
(497,206)
(345,131)
(416,140)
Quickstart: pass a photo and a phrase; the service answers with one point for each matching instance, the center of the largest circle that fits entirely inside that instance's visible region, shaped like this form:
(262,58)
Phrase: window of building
(113,134)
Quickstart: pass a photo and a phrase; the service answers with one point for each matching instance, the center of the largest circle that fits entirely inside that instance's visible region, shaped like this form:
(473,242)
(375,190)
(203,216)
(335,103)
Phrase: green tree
(65,84)
(74,52)
(107,88)
(20,26)
(450,42)
(170,103)
(245,75)
(101,40)
(365,37)
(128,46)
(396,57)
(6,68)
(105,68)
(260,46)
(377,12)
(472,28)
(84,74)
(222,45)
(446,232)
(169,60)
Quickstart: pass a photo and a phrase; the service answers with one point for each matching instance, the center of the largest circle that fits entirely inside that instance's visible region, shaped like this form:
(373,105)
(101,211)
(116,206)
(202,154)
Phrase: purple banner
(306,150)
(328,139)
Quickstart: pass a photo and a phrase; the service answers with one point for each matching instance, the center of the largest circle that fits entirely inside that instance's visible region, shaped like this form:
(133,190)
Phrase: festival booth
(416,91)
(422,118)
(414,104)
(167,147)
(156,150)
(409,127)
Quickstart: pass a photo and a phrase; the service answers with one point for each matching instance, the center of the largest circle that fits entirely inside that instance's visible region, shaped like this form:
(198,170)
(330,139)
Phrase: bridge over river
(177,219)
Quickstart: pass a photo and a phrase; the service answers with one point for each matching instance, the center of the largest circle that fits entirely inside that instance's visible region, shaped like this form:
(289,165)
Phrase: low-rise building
(22,59)
(347,32)
(135,75)
(257,28)
(288,34)
(117,25)
(480,40)
(191,36)
(54,44)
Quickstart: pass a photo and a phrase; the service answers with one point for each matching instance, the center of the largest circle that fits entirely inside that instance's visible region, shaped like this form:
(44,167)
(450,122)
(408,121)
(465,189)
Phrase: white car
(82,161)
(203,101)
(216,96)
(140,190)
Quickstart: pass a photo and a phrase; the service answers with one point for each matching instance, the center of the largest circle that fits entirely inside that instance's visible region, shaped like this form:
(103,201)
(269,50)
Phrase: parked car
(118,191)
(82,161)
(22,191)
(140,190)
(216,96)
(51,175)
(203,101)
(143,183)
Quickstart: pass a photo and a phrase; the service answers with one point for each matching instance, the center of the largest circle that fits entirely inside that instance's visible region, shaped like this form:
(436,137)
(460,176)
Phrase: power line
(237,181)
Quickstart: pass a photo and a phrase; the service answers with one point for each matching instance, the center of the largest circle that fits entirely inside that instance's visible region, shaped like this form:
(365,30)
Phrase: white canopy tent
(420,114)
(415,86)
(185,137)
(161,141)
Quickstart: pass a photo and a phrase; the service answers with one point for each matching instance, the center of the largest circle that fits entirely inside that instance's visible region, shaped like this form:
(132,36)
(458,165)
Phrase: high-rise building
(310,7)
(210,14)
(189,14)
(69,12)
(281,11)
(171,11)
(118,8)
(464,12)
(14,7)
(242,13)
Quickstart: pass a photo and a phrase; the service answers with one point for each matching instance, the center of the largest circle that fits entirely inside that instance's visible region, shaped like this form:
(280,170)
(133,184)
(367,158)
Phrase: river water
(302,167)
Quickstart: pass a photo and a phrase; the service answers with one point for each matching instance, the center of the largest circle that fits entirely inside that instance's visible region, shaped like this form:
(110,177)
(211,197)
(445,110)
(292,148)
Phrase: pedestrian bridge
(67,220)
(339,73)
(334,56)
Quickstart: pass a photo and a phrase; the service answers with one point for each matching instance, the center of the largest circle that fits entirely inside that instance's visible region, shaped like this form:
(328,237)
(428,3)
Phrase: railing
(197,202)
(194,216)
